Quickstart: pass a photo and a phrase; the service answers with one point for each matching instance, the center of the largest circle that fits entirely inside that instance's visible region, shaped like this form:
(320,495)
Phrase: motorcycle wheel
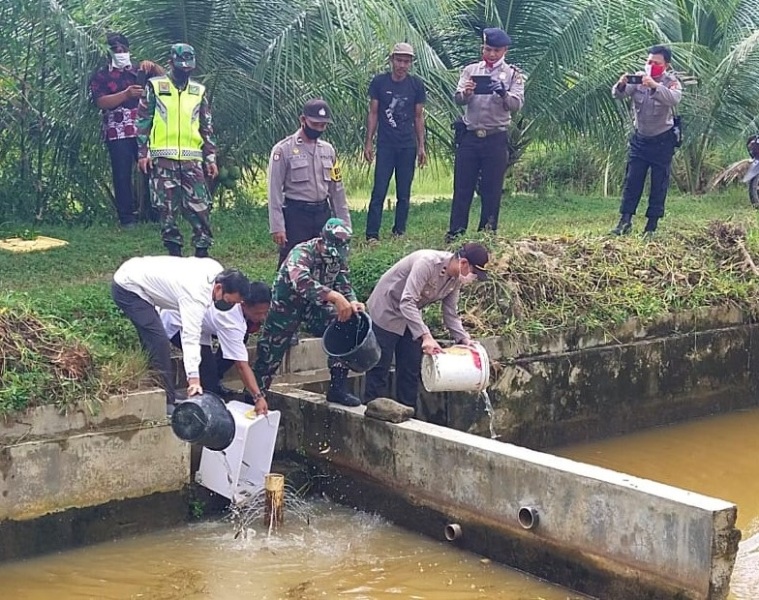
(753,192)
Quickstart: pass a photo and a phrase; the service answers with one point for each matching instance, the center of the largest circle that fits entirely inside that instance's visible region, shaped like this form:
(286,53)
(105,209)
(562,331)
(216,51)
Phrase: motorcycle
(752,175)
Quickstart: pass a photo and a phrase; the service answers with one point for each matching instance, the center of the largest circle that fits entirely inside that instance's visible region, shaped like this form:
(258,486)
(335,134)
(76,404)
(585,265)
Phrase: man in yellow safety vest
(175,139)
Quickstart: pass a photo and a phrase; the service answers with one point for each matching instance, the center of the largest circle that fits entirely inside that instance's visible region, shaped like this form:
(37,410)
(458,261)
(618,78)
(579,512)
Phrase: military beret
(497,38)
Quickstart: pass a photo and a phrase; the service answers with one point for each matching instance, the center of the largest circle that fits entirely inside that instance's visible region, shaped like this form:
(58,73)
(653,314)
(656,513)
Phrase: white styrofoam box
(240,468)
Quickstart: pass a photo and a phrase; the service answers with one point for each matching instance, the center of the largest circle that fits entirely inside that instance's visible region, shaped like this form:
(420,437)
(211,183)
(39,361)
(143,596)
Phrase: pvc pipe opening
(528,517)
(452,531)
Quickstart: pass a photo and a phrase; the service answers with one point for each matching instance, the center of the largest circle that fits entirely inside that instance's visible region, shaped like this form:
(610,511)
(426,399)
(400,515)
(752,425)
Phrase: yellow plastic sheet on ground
(41,242)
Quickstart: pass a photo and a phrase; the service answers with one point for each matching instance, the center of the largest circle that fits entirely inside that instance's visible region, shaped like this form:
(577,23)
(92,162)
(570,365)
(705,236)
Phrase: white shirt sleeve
(191,313)
(230,328)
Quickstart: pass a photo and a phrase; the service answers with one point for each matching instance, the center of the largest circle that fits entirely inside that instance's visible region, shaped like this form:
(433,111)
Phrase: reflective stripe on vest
(176,122)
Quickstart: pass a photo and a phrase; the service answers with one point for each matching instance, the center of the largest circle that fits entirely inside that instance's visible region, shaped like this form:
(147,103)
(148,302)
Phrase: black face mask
(180,76)
(311,134)
(223,305)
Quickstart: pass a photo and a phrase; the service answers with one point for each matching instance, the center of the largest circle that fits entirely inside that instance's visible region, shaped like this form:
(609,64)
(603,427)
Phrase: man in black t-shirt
(396,113)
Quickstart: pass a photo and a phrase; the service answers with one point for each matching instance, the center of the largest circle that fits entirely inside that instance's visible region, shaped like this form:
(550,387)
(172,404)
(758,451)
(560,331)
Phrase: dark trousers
(123,158)
(648,153)
(152,335)
(303,221)
(408,365)
(402,161)
(484,159)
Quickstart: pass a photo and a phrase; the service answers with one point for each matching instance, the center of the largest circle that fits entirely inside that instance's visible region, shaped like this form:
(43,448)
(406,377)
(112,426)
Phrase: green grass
(71,284)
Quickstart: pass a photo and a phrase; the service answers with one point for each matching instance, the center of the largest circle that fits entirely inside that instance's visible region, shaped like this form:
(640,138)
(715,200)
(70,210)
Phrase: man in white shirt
(189,285)
(231,329)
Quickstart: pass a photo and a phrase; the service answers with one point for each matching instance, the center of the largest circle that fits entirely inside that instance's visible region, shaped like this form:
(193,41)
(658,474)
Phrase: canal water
(338,554)
(715,456)
(343,554)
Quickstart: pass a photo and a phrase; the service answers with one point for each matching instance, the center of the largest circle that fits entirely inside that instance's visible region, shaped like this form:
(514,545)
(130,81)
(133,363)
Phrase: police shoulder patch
(335,174)
(194,90)
(674,85)
(163,87)
(276,156)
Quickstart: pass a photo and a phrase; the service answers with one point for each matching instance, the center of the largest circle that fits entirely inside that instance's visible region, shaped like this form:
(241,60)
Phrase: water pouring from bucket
(460,368)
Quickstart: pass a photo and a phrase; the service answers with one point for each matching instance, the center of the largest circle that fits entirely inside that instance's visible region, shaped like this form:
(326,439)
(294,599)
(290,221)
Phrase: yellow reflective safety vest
(176,121)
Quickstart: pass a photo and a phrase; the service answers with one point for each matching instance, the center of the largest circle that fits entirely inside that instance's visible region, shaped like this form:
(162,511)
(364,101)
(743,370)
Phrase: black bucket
(204,420)
(353,342)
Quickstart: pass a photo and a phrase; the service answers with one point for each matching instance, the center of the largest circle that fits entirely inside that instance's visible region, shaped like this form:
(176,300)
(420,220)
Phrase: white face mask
(467,279)
(121,60)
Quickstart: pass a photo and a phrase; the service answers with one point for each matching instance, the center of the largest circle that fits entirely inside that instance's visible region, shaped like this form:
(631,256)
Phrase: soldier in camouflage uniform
(312,287)
(174,138)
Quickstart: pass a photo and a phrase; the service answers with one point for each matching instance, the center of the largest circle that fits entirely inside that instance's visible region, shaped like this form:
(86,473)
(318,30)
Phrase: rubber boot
(338,384)
(201,252)
(173,248)
(651,225)
(624,226)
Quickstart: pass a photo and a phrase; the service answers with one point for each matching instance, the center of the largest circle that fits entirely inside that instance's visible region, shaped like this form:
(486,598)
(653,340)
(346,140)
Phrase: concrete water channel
(608,533)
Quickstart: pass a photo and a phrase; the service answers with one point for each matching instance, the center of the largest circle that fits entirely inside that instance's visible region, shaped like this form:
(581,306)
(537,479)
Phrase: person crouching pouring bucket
(418,280)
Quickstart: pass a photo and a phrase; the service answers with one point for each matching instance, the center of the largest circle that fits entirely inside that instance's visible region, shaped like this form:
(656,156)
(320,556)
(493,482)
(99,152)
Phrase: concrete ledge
(126,451)
(600,532)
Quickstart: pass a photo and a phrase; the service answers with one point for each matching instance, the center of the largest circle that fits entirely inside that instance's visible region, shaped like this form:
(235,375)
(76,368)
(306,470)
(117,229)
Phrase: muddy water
(718,457)
(338,554)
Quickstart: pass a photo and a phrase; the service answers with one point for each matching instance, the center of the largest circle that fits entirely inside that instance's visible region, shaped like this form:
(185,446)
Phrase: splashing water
(248,510)
(490,412)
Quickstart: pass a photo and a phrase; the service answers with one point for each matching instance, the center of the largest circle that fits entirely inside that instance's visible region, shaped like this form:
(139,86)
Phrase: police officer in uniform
(653,143)
(174,139)
(482,144)
(304,179)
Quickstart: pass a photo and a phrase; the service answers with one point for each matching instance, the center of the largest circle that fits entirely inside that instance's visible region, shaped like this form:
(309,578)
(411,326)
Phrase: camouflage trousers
(284,318)
(181,186)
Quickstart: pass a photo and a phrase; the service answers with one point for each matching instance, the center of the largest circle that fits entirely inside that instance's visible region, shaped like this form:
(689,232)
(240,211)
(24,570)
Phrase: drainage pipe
(452,531)
(528,517)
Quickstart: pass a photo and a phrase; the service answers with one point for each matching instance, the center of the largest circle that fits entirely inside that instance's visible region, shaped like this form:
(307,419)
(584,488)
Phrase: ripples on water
(337,554)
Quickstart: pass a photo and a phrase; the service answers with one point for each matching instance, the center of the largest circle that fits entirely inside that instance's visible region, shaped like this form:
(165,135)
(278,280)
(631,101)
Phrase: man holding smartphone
(655,93)
(116,89)
(490,90)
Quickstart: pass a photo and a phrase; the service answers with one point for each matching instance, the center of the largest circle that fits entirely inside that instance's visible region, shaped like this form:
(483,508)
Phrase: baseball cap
(317,110)
(497,38)
(183,55)
(337,235)
(403,48)
(477,256)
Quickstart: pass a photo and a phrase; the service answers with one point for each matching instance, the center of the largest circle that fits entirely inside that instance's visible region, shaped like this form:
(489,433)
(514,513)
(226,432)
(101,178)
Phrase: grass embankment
(555,268)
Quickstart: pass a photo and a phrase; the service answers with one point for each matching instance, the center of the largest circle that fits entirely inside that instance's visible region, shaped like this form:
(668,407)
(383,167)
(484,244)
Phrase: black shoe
(201,252)
(337,391)
(174,249)
(622,228)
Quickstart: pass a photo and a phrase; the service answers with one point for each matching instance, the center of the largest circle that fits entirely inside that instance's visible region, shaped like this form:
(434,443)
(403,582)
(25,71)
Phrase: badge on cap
(322,112)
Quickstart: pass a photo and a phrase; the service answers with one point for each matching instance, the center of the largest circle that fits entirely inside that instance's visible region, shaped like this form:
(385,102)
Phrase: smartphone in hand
(482,84)
(634,79)
(142,78)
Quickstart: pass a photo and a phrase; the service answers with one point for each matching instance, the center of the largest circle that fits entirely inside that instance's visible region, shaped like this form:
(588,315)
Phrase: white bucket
(456,369)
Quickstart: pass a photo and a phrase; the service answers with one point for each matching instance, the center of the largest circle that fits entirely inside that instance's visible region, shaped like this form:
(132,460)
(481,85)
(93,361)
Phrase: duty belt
(481,133)
(305,203)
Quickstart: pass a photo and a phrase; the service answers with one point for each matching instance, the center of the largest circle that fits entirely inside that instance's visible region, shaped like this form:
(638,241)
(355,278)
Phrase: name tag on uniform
(163,88)
(194,90)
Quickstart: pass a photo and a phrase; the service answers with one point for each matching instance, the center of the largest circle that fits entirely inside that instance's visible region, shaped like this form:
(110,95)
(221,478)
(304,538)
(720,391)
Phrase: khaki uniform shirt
(411,284)
(653,107)
(490,111)
(300,169)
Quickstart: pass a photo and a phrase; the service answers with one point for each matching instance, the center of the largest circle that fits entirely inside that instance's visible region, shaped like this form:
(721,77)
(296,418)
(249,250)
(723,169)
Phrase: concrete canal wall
(76,478)
(596,531)
(567,388)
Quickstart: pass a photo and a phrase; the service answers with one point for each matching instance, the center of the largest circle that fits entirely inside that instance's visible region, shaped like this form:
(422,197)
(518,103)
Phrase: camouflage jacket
(311,274)
(146,112)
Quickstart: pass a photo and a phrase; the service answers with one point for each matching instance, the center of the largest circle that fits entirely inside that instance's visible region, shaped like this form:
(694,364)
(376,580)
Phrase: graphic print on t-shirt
(398,102)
